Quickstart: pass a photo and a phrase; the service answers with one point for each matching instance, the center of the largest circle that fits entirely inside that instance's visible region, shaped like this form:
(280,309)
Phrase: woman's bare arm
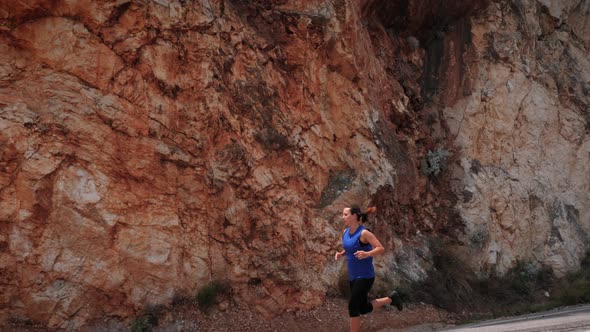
(367,236)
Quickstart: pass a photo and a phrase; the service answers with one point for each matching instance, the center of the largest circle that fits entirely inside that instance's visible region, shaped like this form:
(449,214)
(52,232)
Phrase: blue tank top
(357,268)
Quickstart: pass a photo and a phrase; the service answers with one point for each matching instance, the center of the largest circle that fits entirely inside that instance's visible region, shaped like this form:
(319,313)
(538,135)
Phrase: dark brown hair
(362,217)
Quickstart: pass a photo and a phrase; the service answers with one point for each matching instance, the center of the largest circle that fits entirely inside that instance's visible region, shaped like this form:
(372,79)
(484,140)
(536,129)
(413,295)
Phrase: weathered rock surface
(523,138)
(150,147)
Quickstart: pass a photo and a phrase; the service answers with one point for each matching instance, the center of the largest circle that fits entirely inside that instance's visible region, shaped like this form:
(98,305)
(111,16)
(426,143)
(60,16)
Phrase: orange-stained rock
(148,148)
(66,45)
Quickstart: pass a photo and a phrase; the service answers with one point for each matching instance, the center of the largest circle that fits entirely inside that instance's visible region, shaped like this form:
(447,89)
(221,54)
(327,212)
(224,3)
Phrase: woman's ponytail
(364,217)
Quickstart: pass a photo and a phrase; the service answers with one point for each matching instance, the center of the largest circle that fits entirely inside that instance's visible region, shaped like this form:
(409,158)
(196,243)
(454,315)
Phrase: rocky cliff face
(150,147)
(523,137)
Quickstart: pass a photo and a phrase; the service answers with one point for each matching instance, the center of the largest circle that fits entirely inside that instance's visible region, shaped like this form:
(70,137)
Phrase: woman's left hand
(361,254)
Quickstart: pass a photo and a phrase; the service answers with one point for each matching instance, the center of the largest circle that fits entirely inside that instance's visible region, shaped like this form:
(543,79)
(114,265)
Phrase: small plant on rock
(436,161)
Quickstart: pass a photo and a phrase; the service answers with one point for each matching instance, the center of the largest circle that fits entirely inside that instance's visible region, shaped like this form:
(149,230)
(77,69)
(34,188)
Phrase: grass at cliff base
(452,286)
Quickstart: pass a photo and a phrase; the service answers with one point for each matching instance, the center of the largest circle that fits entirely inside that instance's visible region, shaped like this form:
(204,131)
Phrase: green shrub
(148,319)
(141,324)
(449,284)
(522,278)
(574,288)
(207,296)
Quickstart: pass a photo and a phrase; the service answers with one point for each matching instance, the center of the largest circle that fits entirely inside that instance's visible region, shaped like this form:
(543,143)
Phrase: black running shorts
(359,303)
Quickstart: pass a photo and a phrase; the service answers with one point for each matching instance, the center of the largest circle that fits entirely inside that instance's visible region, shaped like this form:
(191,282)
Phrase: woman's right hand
(338,255)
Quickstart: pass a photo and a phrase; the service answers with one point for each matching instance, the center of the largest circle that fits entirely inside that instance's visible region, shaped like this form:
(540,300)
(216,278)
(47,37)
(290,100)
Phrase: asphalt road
(566,319)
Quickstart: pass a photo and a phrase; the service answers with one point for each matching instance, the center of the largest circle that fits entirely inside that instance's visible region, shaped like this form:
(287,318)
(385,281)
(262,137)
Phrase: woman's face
(349,219)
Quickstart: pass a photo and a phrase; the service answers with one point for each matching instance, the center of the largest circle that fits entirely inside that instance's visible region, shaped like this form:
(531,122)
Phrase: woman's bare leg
(355,324)
(378,303)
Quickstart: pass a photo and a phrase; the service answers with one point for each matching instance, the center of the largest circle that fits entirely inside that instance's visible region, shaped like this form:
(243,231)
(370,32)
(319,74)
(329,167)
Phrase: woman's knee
(366,308)
(353,309)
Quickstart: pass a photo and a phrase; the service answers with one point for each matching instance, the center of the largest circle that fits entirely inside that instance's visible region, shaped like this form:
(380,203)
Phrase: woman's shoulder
(365,231)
